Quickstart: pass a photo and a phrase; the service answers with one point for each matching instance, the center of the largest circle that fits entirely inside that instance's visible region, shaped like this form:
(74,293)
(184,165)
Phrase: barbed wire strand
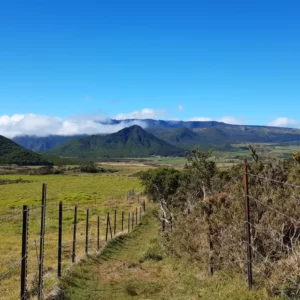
(274,180)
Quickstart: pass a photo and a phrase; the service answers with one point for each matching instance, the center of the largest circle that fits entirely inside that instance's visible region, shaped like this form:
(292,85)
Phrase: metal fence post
(132,220)
(128,222)
(60,216)
(24,253)
(87,232)
(248,227)
(107,222)
(115,223)
(136,215)
(98,233)
(140,214)
(42,242)
(74,235)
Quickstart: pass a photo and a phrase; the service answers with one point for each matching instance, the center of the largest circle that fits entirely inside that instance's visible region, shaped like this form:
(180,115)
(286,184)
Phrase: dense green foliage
(129,142)
(207,209)
(11,153)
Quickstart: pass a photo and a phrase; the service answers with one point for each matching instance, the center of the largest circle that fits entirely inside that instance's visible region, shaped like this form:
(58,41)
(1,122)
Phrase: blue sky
(178,59)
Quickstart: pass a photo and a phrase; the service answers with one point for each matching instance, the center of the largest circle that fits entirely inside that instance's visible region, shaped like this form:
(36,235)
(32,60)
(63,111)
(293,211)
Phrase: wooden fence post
(42,242)
(248,227)
(74,235)
(24,253)
(59,239)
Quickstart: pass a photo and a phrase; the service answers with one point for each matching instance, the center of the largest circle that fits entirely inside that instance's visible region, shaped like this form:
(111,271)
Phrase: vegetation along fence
(253,228)
(51,238)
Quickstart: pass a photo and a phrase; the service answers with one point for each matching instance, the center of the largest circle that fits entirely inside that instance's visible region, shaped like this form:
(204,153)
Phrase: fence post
(128,222)
(59,239)
(24,253)
(115,222)
(42,241)
(87,232)
(140,214)
(98,233)
(74,235)
(248,228)
(132,220)
(122,221)
(163,224)
(136,216)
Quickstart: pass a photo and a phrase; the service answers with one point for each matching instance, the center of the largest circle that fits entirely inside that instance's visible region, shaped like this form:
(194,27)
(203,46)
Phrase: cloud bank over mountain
(42,125)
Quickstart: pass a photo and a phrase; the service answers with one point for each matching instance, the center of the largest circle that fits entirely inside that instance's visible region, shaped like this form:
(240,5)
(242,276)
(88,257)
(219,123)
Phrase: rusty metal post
(128,222)
(132,220)
(42,242)
(74,235)
(59,239)
(87,232)
(115,223)
(136,216)
(98,233)
(248,227)
(24,254)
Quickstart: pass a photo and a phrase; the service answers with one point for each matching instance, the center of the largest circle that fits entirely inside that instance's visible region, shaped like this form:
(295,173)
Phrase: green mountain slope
(186,138)
(129,142)
(11,153)
(41,144)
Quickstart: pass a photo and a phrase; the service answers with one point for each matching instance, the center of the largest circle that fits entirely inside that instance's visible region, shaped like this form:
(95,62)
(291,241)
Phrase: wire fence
(261,239)
(40,244)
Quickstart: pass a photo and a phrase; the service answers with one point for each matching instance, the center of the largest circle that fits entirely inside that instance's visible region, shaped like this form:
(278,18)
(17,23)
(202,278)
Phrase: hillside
(129,142)
(40,144)
(11,153)
(184,134)
(186,138)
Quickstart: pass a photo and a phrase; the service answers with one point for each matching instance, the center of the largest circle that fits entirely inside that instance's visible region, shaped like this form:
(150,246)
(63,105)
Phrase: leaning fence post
(59,239)
(98,233)
(74,235)
(42,241)
(87,232)
(248,227)
(24,253)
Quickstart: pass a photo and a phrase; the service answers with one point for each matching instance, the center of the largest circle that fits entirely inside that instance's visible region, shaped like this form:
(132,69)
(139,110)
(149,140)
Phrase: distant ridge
(183,134)
(132,141)
(11,153)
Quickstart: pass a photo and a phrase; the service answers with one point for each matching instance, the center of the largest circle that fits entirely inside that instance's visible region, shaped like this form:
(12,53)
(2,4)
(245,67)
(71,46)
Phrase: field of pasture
(100,193)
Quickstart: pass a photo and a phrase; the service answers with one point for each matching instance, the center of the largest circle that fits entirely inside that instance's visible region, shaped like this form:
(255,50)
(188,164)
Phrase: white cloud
(230,120)
(146,113)
(180,107)
(284,122)
(41,125)
(225,119)
(200,119)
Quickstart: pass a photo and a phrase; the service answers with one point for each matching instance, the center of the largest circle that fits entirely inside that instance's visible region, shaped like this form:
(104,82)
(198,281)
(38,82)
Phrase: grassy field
(101,193)
(135,266)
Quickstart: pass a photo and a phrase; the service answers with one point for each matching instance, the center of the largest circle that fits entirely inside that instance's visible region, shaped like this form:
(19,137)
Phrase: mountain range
(12,153)
(182,134)
(129,142)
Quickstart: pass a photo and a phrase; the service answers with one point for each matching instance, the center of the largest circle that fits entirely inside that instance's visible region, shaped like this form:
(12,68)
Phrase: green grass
(100,193)
(135,266)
